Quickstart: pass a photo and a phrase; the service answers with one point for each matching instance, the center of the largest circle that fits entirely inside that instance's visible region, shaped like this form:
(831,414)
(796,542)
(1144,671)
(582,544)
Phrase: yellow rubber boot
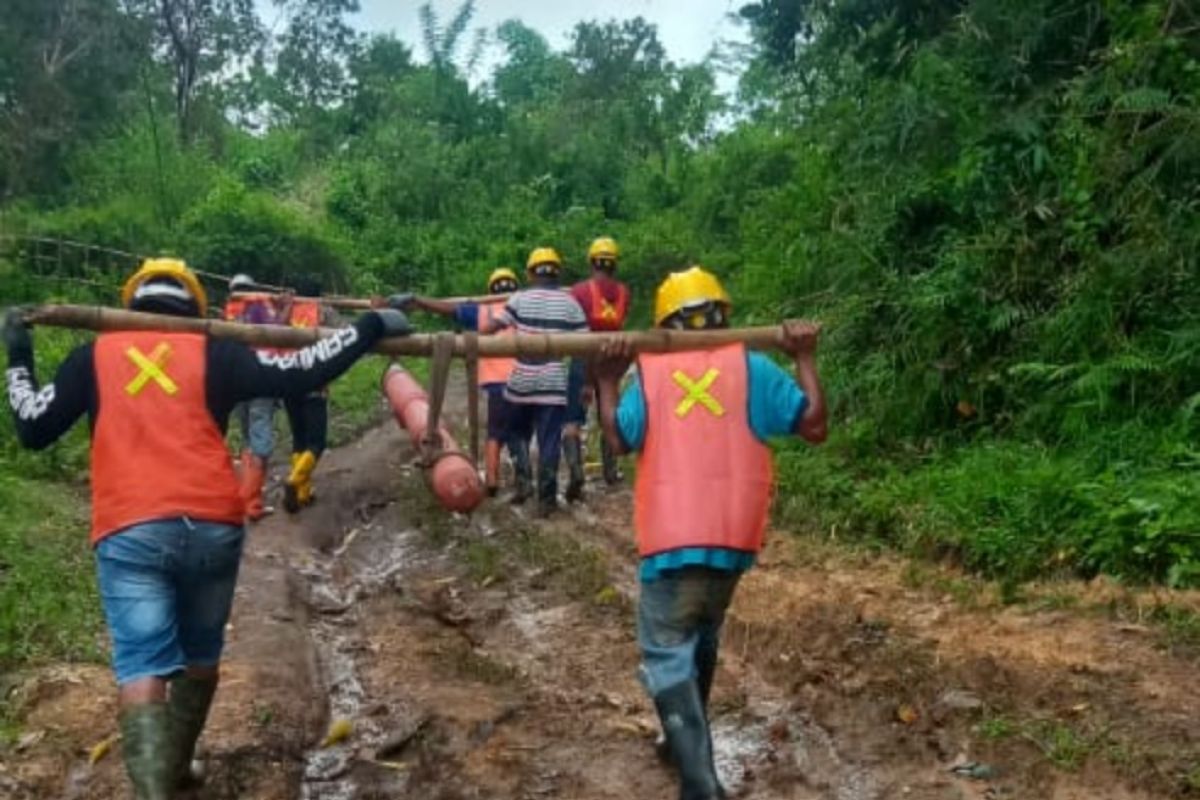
(298,492)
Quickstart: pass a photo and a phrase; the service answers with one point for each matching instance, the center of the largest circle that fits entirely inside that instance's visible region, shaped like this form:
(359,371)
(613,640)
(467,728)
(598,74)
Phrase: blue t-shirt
(775,406)
(466,315)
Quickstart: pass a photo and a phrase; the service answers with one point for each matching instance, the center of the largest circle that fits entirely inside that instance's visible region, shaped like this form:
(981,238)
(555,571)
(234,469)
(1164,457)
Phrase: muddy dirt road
(494,657)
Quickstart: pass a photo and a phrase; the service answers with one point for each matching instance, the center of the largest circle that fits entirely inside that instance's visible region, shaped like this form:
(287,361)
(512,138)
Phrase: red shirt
(613,292)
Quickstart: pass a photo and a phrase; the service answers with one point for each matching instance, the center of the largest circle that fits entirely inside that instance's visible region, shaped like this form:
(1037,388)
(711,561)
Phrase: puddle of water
(366,562)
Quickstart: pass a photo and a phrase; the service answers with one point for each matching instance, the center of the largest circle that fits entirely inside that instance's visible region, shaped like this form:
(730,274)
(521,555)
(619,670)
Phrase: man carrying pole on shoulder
(537,388)
(167,511)
(699,421)
(255,417)
(493,372)
(605,301)
(308,414)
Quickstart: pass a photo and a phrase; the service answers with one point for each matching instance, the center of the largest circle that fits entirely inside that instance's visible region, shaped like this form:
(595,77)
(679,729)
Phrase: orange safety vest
(305,314)
(157,452)
(493,370)
(606,316)
(703,478)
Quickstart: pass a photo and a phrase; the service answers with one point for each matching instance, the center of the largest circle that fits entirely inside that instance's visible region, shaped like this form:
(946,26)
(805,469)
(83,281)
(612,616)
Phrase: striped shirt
(541,381)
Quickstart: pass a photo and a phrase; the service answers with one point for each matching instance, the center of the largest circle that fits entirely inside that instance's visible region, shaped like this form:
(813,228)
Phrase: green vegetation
(991,205)
(48,605)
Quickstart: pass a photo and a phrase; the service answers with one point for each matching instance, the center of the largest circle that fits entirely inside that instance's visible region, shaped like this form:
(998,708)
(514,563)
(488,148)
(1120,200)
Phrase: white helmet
(241,282)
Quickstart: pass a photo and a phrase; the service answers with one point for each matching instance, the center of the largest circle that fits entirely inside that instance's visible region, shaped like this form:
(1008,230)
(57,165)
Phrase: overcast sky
(687,28)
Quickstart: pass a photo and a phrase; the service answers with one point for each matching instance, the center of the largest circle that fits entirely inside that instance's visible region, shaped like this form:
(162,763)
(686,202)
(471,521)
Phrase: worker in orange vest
(699,421)
(167,511)
(493,372)
(605,302)
(255,417)
(308,414)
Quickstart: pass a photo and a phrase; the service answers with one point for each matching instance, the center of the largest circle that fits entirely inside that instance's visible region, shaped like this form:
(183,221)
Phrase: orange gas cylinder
(452,477)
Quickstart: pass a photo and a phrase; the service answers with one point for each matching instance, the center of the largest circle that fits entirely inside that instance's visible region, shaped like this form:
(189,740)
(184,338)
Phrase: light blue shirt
(775,406)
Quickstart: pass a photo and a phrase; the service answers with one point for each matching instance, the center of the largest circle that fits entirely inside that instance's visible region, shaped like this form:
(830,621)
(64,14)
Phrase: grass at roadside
(49,610)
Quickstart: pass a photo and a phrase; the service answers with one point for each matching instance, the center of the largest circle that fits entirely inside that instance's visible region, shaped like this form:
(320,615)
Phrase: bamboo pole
(346,303)
(364,303)
(100,319)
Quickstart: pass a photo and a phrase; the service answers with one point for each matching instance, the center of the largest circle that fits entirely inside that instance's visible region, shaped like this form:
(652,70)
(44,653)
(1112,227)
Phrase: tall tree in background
(64,67)
(202,40)
(314,50)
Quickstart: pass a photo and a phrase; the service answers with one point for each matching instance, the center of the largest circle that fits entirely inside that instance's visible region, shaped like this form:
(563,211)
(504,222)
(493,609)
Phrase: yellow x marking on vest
(697,392)
(152,369)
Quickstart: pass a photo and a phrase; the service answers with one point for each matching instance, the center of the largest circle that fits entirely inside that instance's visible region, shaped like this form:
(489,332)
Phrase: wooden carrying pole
(367,303)
(97,318)
(347,303)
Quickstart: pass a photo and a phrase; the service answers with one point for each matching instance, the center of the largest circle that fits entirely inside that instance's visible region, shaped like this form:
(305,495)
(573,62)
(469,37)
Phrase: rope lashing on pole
(548,345)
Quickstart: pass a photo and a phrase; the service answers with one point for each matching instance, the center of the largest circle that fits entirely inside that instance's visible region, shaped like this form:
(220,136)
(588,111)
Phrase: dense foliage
(993,206)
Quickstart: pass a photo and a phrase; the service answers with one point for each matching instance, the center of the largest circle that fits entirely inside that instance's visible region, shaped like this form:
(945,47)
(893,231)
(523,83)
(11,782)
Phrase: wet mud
(382,648)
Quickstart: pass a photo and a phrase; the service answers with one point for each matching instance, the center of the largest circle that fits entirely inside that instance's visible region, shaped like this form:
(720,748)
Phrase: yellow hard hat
(171,268)
(501,274)
(687,289)
(543,255)
(604,247)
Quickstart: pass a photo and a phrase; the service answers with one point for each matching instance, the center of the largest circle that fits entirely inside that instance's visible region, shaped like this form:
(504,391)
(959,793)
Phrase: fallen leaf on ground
(101,748)
(339,729)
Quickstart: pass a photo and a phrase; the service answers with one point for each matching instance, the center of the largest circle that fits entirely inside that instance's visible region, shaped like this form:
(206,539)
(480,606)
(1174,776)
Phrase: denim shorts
(167,589)
(257,418)
(679,619)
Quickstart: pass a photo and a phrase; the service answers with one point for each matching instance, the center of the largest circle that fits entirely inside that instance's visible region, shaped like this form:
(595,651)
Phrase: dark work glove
(402,302)
(17,340)
(394,322)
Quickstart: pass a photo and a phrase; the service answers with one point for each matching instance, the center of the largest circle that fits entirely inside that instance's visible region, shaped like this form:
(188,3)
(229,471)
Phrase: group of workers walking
(539,398)
(307,414)
(169,509)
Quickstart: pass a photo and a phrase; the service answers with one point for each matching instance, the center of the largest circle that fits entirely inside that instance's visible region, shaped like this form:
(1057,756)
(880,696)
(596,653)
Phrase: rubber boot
(547,490)
(681,711)
(612,473)
(191,698)
(706,670)
(572,451)
(522,472)
(148,747)
(253,477)
(298,491)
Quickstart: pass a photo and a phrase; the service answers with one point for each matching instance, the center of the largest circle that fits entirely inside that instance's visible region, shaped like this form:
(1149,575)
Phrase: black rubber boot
(191,698)
(612,473)
(706,670)
(683,719)
(547,490)
(522,472)
(148,747)
(572,451)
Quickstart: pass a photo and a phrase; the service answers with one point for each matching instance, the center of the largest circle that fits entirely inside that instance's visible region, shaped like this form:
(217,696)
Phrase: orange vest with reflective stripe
(305,314)
(606,316)
(493,370)
(703,478)
(157,452)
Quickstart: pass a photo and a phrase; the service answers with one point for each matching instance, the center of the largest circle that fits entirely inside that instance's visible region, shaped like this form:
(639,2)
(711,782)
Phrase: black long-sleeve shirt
(234,373)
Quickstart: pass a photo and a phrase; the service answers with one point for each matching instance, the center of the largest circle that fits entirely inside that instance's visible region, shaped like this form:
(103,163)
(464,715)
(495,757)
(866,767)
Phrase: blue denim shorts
(679,619)
(167,589)
(257,418)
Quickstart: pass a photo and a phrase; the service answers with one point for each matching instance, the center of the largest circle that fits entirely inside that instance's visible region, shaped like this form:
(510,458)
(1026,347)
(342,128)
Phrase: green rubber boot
(191,698)
(148,747)
(681,710)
